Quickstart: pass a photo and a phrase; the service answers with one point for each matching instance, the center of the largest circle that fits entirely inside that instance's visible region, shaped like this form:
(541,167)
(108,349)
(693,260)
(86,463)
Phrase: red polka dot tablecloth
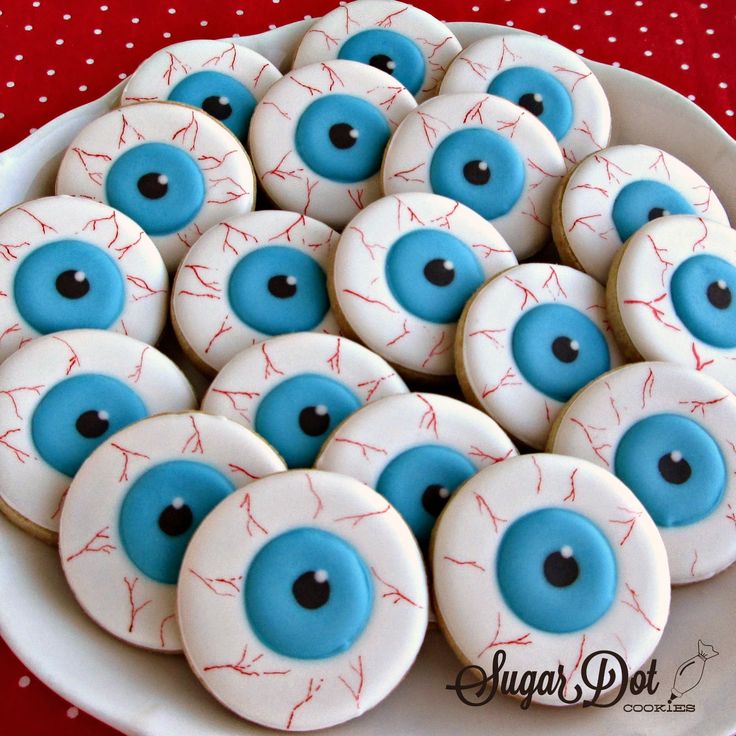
(58,54)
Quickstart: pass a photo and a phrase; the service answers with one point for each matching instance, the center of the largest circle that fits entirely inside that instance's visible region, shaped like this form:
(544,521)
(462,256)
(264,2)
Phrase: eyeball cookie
(171,168)
(611,194)
(485,152)
(317,137)
(544,78)
(223,79)
(61,396)
(566,566)
(670,295)
(529,340)
(295,389)
(404,269)
(68,263)
(328,604)
(133,507)
(409,44)
(415,450)
(252,277)
(669,434)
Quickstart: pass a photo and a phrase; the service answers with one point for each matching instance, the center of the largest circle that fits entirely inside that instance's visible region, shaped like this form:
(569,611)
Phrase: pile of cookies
(447,329)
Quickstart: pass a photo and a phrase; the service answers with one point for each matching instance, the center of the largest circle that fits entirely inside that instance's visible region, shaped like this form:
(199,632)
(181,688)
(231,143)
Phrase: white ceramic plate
(143,693)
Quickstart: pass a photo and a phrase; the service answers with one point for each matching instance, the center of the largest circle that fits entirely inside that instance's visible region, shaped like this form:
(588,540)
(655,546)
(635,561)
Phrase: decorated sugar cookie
(528,341)
(409,44)
(70,263)
(611,194)
(670,295)
(668,433)
(488,154)
(415,450)
(567,565)
(544,78)
(295,389)
(317,137)
(223,79)
(171,168)
(403,270)
(62,396)
(324,604)
(133,507)
(252,277)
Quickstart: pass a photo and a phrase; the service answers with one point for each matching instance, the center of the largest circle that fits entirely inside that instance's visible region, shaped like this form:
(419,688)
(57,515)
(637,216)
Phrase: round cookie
(317,138)
(543,77)
(173,169)
(62,396)
(486,153)
(671,292)
(408,43)
(610,195)
(415,450)
(252,277)
(138,499)
(549,574)
(223,79)
(528,340)
(669,434)
(402,272)
(68,263)
(328,608)
(295,389)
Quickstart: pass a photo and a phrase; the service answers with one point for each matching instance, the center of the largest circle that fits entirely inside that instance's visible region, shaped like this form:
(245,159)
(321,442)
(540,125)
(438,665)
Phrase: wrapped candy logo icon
(690,672)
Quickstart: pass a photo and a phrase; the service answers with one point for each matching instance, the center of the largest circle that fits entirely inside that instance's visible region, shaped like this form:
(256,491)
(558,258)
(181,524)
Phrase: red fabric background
(57,54)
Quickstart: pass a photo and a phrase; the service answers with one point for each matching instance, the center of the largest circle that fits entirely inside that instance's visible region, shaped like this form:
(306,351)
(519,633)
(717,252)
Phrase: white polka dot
(573,2)
(307,17)
(704,6)
(647,53)
(691,98)
(43,99)
(723,85)
(24,681)
(673,15)
(239,11)
(509,23)
(82,87)
(236,35)
(730,113)
(103,8)
(72,712)
(612,39)
(172,11)
(90,61)
(51,72)
(475,8)
(709,31)
(684,67)
(32,130)
(36,4)
(577,27)
(271,26)
(638,3)
(542,10)
(579,51)
(129,45)
(122,75)
(10,84)
(617,64)
(59,41)
(97,31)
(2,115)
(643,29)
(716,55)
(203,23)
(166,34)
(66,16)
(276,2)
(19,57)
(679,41)
(135,20)
(608,12)
(28,28)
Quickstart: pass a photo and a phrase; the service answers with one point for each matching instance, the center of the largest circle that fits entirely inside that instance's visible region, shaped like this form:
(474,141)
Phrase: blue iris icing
(479,168)
(389,51)
(432,273)
(642,201)
(68,284)
(556,570)
(558,349)
(161,511)
(278,289)
(342,138)
(419,481)
(702,289)
(78,414)
(221,96)
(297,415)
(674,467)
(539,92)
(158,185)
(308,594)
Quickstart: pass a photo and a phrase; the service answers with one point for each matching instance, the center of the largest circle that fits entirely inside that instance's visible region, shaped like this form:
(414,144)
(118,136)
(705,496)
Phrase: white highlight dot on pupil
(103,416)
(320,410)
(537,98)
(79,276)
(483,165)
(566,552)
(443,492)
(163,180)
(391,65)
(320,576)
(448,265)
(291,280)
(224,100)
(676,456)
(721,284)
(354,133)
(574,345)
(178,502)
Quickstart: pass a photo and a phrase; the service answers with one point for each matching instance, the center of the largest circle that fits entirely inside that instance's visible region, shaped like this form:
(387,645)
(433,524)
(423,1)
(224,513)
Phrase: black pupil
(340,135)
(434,499)
(439,272)
(91,424)
(477,172)
(153,185)
(218,107)
(674,470)
(72,284)
(383,62)
(533,102)
(560,571)
(719,295)
(656,212)
(309,591)
(314,421)
(564,350)
(175,520)
(282,286)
